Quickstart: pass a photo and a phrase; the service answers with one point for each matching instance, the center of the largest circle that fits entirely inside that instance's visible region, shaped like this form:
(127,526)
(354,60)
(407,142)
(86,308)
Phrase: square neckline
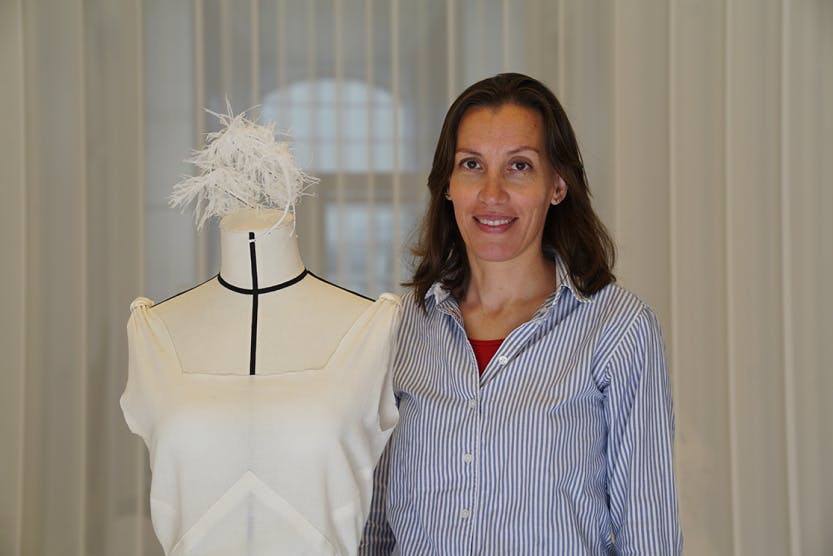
(363,317)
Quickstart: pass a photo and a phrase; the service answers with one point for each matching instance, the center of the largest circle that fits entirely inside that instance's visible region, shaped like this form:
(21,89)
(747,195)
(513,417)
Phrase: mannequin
(264,398)
(327,310)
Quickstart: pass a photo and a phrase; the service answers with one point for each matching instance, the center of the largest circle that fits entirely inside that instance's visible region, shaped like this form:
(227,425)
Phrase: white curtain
(707,130)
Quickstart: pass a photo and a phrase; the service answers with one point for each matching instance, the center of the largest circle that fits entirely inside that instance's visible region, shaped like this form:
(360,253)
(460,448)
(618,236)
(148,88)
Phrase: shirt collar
(441,294)
(438,292)
(565,281)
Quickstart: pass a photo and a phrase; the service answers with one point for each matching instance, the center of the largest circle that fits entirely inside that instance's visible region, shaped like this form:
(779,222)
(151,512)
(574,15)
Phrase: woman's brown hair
(571,228)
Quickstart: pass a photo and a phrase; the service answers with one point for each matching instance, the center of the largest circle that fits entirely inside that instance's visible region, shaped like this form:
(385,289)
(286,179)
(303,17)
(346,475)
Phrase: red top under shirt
(484,350)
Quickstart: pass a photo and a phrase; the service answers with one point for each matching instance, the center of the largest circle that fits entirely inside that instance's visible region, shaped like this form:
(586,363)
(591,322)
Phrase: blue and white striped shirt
(562,446)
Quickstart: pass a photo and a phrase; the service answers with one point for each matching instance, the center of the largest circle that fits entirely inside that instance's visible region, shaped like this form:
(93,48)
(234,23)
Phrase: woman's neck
(270,259)
(493,285)
(502,296)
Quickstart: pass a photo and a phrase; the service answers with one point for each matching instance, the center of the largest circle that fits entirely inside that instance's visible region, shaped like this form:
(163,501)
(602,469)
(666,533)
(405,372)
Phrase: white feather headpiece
(241,166)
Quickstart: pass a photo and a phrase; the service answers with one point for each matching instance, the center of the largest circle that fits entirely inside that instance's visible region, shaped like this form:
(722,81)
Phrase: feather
(241,166)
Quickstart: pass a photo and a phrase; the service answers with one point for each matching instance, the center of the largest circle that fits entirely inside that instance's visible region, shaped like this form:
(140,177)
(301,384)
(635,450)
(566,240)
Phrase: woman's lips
(494,224)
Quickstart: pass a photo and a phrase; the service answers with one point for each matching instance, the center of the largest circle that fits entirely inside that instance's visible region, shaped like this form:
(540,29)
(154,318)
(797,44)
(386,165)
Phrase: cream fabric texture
(266,464)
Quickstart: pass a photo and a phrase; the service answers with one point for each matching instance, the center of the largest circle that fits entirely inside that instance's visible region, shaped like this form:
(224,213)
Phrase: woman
(535,409)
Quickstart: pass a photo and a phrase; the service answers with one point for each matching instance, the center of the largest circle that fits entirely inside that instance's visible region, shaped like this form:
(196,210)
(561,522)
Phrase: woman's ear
(560,190)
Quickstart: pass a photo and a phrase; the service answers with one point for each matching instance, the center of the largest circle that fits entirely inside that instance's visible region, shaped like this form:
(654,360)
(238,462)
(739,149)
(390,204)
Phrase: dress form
(298,326)
(264,409)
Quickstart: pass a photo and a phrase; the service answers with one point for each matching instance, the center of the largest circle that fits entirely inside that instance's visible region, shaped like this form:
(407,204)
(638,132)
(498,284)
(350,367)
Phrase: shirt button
(472,404)
(502,360)
(468,458)
(465,514)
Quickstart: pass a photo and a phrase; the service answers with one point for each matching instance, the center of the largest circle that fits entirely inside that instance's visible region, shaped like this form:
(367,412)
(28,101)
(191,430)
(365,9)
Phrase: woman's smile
(494,224)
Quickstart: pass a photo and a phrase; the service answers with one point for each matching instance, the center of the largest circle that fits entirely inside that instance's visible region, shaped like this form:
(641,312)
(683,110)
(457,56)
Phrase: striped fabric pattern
(562,446)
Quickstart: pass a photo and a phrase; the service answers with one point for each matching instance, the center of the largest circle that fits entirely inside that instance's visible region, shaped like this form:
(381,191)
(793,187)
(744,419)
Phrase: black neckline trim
(254,291)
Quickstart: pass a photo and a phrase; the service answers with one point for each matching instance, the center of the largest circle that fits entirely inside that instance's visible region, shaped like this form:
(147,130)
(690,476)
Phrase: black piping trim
(183,291)
(274,288)
(341,287)
(253,258)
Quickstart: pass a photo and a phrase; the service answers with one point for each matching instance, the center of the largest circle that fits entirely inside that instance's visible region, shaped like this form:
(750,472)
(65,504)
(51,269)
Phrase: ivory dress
(272,463)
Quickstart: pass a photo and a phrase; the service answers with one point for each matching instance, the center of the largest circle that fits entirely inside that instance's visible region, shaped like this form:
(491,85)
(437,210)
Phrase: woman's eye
(520,165)
(470,164)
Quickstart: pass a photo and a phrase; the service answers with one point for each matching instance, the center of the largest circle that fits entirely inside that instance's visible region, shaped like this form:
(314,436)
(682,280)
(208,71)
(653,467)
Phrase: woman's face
(502,183)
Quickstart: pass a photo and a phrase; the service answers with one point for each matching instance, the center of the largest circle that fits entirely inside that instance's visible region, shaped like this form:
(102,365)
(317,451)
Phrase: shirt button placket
(466,511)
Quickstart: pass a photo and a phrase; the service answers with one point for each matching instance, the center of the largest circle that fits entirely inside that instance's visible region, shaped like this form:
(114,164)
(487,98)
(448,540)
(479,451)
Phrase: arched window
(356,138)
(320,114)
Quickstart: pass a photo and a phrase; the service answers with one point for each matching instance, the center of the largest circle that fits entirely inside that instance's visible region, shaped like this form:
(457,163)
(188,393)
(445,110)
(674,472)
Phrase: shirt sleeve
(377,538)
(643,498)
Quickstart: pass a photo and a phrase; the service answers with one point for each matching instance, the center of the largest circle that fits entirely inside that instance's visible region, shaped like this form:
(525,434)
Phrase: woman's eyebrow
(524,148)
(517,150)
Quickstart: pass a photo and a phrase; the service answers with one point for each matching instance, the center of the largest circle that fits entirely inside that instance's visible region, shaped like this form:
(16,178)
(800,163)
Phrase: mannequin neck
(275,253)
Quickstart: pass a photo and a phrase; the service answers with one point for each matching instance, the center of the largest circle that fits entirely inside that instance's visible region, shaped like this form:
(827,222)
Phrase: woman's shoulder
(620,306)
(616,294)
(409,307)
(414,314)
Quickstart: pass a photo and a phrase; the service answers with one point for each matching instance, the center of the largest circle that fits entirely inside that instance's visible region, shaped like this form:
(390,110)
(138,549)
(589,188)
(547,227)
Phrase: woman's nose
(493,189)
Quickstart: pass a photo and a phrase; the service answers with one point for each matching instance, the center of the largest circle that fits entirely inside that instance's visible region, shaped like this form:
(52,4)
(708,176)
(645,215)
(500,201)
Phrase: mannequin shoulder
(333,293)
(190,300)
(141,303)
(391,303)
(386,297)
(205,306)
(389,297)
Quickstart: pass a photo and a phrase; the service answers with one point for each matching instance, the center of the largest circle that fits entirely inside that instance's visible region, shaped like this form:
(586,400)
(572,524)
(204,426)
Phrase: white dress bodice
(271,463)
